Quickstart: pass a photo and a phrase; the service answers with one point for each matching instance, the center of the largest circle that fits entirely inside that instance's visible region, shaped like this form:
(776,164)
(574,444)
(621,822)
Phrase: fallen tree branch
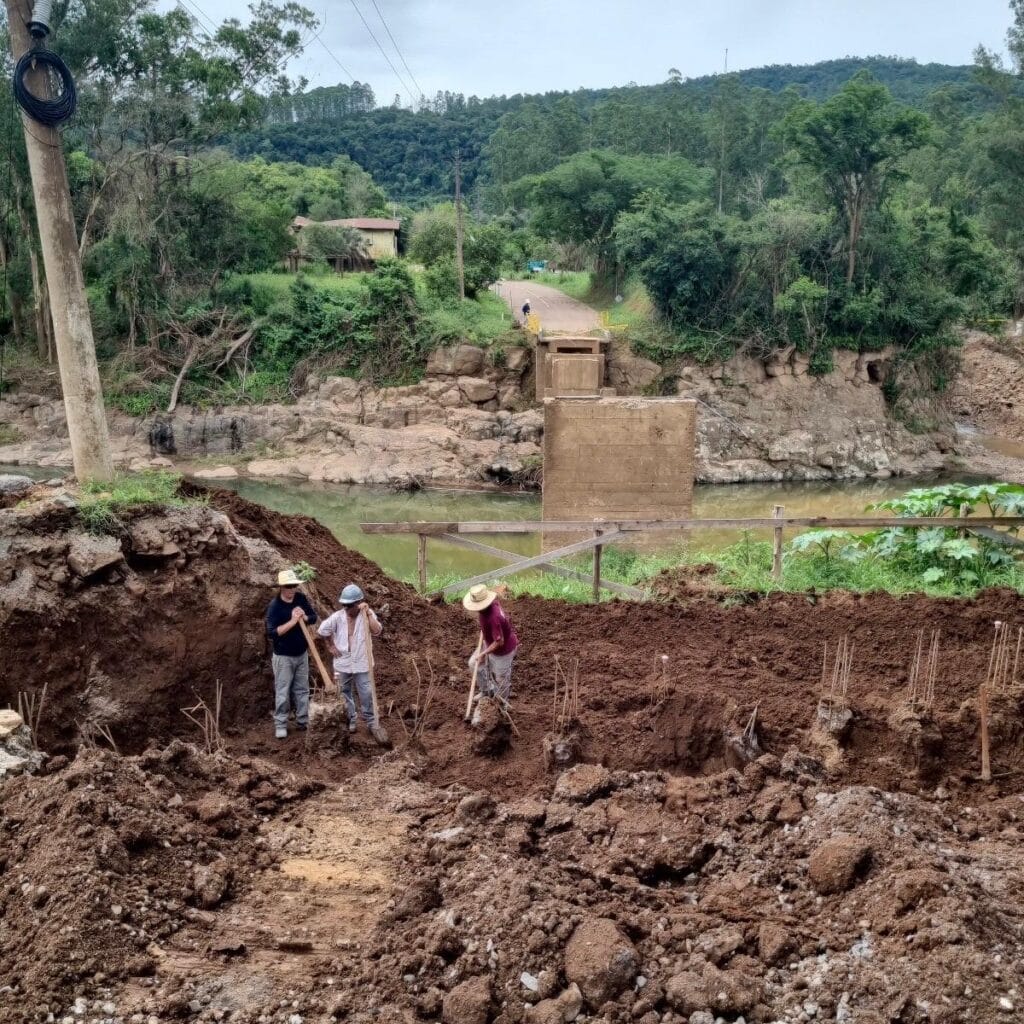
(235,346)
(190,358)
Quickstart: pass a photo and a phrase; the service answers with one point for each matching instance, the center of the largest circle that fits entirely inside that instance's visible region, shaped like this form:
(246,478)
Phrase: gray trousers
(351,683)
(494,677)
(291,688)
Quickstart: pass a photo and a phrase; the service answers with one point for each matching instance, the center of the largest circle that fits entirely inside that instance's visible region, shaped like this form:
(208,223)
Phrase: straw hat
(479,598)
(287,578)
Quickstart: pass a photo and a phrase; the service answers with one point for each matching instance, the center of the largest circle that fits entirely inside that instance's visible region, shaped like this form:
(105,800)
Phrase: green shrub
(102,504)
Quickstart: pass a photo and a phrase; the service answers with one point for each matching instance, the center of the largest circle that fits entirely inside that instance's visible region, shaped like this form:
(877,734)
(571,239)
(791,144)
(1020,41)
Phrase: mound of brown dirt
(103,861)
(698,896)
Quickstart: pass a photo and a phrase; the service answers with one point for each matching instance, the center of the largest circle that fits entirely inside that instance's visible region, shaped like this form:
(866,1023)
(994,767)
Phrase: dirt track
(557,311)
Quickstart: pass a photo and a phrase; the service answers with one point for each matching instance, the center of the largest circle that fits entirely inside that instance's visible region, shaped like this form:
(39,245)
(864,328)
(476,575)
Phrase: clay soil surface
(691,843)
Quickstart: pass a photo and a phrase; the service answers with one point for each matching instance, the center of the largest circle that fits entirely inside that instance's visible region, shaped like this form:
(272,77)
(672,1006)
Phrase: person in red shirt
(500,643)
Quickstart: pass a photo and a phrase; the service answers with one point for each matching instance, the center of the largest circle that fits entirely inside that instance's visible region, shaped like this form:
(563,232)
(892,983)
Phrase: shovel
(472,683)
(328,679)
(378,731)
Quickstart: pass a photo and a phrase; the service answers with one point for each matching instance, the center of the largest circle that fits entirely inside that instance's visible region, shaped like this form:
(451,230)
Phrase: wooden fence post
(986,763)
(777,513)
(421,561)
(597,569)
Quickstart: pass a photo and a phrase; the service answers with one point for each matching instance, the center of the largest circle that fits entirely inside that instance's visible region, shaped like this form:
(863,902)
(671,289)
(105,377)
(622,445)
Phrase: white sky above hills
(486,47)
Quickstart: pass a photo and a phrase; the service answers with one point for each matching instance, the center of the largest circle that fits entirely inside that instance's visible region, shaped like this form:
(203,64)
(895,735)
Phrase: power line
(383,53)
(397,48)
(331,54)
(202,16)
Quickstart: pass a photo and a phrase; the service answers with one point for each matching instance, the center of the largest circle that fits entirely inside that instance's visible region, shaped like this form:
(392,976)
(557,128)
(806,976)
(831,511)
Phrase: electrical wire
(398,50)
(50,112)
(383,53)
(330,53)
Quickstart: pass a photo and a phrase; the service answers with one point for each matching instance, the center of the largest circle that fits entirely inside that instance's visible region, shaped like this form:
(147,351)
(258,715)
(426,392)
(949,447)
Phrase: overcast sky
(487,47)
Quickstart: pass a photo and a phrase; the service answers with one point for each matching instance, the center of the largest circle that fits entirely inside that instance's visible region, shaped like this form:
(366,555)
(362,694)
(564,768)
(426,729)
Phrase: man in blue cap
(349,644)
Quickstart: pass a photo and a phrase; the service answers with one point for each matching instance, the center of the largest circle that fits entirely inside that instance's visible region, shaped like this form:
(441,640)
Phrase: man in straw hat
(291,652)
(346,636)
(493,660)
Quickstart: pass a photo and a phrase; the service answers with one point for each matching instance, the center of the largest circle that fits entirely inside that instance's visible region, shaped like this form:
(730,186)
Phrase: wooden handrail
(528,526)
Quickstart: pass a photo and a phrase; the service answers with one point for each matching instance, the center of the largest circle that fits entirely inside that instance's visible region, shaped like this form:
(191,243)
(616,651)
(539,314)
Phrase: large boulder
(477,389)
(468,1003)
(15,483)
(455,361)
(89,555)
(628,373)
(600,960)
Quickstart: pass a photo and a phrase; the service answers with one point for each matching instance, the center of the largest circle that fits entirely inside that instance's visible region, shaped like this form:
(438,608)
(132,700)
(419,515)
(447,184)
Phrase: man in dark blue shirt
(291,652)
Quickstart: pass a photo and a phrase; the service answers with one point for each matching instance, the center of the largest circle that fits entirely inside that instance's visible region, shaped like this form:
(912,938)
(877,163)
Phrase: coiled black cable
(51,112)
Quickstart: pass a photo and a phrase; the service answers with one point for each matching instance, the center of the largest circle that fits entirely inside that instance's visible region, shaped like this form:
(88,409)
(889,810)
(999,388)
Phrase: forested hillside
(852,204)
(409,152)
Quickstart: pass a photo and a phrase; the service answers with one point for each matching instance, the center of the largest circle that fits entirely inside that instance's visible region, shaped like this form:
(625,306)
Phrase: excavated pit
(662,685)
(862,871)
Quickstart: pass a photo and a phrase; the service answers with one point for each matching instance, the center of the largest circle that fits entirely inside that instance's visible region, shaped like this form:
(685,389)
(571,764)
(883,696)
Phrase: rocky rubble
(17,753)
(145,847)
(669,900)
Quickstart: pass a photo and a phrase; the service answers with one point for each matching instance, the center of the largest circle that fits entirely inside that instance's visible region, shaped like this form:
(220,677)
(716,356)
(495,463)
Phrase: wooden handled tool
(472,684)
(380,735)
(326,676)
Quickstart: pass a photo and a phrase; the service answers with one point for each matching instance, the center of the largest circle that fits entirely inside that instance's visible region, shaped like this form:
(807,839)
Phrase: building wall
(382,243)
(618,458)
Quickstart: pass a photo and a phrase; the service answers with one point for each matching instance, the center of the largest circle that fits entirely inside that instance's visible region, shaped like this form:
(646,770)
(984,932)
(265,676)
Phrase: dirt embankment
(988,393)
(684,872)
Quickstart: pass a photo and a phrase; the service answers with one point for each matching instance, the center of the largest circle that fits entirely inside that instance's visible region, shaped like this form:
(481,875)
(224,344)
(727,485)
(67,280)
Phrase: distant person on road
(526,311)
(346,636)
(500,643)
(291,652)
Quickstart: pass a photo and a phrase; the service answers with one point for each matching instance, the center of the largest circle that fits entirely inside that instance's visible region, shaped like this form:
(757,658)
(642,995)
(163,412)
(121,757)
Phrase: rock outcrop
(473,420)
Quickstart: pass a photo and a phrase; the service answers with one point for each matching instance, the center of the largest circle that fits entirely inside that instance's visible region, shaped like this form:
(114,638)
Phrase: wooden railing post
(597,569)
(421,561)
(777,513)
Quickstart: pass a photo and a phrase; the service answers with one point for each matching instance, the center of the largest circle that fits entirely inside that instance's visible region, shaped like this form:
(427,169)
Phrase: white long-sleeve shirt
(351,657)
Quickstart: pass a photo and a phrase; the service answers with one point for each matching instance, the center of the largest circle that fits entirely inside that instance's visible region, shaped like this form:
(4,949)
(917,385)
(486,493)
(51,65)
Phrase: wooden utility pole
(72,325)
(459,265)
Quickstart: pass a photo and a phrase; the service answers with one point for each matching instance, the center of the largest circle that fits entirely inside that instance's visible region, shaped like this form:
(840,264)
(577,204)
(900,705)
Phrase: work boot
(378,733)
(281,732)
(351,725)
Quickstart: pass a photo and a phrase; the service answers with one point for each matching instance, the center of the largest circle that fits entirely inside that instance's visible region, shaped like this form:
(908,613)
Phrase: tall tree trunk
(40,306)
(12,297)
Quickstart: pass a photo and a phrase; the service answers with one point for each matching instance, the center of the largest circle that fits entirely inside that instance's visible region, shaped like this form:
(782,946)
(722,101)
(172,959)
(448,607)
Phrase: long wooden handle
(369,657)
(310,640)
(472,682)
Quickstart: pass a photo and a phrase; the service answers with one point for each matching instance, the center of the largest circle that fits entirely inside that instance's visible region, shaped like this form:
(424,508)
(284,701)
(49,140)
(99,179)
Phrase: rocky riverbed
(474,419)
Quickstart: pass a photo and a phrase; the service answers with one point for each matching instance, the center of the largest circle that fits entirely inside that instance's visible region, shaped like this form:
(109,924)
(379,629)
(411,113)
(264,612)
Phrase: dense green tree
(433,244)
(854,142)
(580,199)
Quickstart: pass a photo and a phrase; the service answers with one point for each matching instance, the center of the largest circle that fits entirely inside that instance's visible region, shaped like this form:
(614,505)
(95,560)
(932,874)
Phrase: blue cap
(351,595)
